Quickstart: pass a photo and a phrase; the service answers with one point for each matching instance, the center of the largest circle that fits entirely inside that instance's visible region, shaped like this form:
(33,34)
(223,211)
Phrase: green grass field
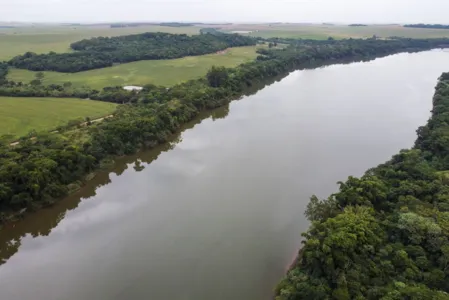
(159,72)
(43,39)
(57,38)
(18,116)
(336,31)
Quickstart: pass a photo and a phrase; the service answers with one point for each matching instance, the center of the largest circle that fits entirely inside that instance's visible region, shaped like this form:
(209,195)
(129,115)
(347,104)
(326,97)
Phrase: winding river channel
(217,213)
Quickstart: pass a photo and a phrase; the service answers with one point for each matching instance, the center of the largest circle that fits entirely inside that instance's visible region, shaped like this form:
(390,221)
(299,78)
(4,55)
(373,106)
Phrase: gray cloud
(367,11)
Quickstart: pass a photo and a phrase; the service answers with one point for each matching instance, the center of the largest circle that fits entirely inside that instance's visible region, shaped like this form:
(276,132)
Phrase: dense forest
(106,51)
(432,26)
(384,235)
(37,171)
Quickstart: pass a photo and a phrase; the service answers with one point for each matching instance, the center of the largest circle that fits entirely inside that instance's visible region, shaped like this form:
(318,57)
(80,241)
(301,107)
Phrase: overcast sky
(347,11)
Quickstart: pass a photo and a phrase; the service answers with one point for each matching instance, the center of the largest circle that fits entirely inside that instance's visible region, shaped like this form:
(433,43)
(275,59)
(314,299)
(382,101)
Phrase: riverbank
(363,238)
(111,164)
(161,113)
(295,261)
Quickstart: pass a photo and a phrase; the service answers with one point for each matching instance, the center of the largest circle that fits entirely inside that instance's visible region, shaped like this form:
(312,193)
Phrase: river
(217,213)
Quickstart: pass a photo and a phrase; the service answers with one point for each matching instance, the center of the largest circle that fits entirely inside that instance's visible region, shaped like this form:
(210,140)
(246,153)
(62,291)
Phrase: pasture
(158,72)
(57,38)
(18,116)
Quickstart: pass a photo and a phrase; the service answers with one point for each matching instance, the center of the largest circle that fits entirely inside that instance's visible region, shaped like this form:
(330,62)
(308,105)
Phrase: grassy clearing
(337,31)
(159,72)
(16,41)
(18,116)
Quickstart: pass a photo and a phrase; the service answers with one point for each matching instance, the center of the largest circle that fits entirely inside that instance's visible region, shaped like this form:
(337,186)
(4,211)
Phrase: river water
(217,213)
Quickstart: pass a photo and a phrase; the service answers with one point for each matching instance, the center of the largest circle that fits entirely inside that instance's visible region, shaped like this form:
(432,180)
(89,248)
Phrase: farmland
(18,116)
(315,31)
(159,72)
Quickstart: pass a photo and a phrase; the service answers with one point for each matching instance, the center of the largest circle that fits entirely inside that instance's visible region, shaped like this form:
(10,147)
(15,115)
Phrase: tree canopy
(384,235)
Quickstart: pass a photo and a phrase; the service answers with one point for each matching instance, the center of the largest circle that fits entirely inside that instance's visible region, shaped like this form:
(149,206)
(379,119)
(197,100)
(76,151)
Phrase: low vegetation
(104,52)
(384,235)
(20,116)
(158,72)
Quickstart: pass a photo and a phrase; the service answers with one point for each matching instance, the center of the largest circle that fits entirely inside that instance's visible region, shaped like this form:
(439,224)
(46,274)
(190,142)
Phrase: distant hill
(169,24)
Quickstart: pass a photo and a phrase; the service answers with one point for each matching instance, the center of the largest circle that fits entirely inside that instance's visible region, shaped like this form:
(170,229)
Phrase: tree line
(384,235)
(431,26)
(37,171)
(104,52)
(210,30)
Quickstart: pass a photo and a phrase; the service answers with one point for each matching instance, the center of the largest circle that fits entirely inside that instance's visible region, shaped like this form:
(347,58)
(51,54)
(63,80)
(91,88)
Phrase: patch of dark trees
(3,73)
(429,26)
(104,52)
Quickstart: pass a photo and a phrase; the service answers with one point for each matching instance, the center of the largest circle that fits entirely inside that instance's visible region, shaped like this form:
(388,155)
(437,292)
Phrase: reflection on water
(42,222)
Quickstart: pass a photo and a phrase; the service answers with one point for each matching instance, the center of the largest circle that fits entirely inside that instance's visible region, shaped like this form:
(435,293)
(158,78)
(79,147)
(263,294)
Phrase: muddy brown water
(218,212)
